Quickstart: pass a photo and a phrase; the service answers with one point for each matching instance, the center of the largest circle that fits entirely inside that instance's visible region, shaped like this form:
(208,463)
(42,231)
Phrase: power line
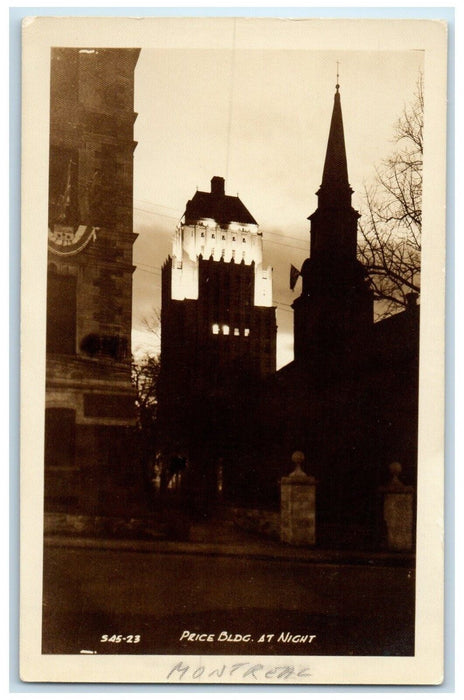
(287,245)
(177,218)
(156,204)
(157,271)
(156,213)
(153,267)
(284,235)
(231,101)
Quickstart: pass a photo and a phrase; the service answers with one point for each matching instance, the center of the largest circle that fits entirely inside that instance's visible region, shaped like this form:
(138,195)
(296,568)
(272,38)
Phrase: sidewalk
(222,538)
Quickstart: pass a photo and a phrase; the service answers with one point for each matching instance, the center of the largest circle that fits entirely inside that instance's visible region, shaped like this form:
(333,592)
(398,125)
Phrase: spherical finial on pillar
(395,470)
(298,459)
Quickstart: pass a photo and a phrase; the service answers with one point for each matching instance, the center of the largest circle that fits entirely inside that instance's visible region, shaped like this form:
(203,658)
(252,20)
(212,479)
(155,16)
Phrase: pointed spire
(334,223)
(335,189)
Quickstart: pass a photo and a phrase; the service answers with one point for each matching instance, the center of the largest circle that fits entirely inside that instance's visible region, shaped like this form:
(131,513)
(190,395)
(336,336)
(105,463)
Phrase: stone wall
(261,522)
(98,526)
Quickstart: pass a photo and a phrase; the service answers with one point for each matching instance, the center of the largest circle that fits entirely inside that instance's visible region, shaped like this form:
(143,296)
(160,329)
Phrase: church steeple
(335,307)
(335,190)
(334,223)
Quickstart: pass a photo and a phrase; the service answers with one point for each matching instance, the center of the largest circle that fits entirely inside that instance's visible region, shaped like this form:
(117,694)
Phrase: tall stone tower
(218,332)
(89,399)
(335,308)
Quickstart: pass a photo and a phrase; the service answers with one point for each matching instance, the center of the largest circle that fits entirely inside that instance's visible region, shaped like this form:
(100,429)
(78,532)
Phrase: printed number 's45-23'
(118,638)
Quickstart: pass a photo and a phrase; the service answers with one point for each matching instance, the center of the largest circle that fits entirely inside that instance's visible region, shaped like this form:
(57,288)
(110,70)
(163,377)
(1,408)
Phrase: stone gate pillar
(398,511)
(298,505)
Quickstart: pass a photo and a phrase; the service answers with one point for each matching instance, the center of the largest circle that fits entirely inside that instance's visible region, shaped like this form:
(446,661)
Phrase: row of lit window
(223,252)
(223,237)
(225,330)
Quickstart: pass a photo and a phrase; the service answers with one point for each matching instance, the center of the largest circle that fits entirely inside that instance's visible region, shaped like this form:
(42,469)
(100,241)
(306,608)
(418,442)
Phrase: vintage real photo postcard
(232,419)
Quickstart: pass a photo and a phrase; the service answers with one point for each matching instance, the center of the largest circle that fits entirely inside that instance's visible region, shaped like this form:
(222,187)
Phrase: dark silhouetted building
(349,398)
(335,309)
(89,398)
(218,339)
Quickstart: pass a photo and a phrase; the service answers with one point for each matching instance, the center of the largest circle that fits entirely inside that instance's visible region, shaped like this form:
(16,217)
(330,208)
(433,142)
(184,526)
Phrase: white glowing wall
(236,242)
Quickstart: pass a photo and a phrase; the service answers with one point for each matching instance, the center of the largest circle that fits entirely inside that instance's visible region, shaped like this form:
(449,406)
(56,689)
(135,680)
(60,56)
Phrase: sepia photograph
(235,346)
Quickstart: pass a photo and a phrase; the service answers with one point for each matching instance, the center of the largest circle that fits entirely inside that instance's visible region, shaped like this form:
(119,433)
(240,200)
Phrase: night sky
(260,119)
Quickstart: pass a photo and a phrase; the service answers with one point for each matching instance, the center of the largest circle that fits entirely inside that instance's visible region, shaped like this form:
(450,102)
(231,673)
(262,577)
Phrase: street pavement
(224,592)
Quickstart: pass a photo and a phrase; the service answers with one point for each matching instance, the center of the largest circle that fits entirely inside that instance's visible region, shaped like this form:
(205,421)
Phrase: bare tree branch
(152,323)
(389,243)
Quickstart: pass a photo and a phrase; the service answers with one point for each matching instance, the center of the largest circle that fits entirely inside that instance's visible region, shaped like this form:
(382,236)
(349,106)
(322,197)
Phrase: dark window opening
(61,313)
(112,346)
(60,437)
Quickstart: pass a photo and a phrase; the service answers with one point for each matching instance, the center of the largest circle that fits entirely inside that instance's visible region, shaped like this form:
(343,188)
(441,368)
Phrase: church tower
(218,327)
(89,396)
(335,308)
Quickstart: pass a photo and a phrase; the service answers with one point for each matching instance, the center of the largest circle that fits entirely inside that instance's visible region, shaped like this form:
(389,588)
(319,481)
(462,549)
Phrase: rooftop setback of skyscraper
(217,205)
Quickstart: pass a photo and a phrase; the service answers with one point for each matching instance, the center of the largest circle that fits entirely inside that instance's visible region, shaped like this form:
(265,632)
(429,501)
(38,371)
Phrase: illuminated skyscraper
(218,328)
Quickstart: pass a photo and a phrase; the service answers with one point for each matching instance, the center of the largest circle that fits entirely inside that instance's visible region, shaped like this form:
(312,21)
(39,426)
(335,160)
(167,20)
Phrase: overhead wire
(156,204)
(231,95)
(156,270)
(265,233)
(281,305)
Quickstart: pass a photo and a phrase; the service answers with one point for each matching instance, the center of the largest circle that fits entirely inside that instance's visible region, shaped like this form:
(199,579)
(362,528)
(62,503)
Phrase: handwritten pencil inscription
(245,670)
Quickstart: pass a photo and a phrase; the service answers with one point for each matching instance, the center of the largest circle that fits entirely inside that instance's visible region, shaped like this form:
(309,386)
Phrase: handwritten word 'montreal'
(239,671)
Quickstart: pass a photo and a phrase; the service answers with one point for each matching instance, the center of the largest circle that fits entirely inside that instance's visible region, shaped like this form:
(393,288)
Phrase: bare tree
(152,323)
(390,226)
(145,375)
